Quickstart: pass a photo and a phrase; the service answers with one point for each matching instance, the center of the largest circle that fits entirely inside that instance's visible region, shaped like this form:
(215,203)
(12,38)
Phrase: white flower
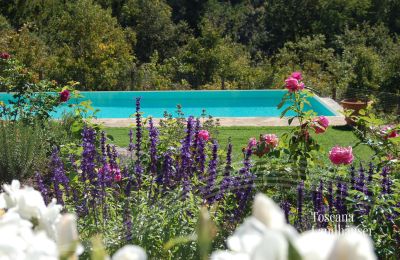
(273,245)
(226,255)
(10,197)
(353,245)
(315,245)
(266,211)
(247,236)
(67,235)
(13,233)
(41,247)
(130,252)
(30,203)
(49,217)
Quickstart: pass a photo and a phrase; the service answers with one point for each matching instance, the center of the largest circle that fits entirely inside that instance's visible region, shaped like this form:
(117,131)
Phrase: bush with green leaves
(23,151)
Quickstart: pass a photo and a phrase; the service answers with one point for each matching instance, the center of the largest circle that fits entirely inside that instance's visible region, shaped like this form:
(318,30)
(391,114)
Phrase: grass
(342,136)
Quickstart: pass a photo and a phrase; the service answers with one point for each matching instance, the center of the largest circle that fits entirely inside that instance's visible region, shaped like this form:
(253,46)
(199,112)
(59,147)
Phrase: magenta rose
(293,84)
(297,75)
(204,135)
(341,155)
(320,124)
(64,95)
(5,55)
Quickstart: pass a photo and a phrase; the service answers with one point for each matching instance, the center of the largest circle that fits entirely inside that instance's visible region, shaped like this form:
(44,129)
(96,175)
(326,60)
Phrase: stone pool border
(241,121)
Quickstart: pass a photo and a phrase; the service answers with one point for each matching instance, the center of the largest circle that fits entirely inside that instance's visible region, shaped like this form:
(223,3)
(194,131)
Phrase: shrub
(23,151)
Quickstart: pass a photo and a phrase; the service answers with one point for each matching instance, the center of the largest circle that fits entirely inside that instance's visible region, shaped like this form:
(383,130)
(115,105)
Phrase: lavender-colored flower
(58,176)
(186,157)
(139,130)
(227,180)
(300,200)
(386,182)
(285,205)
(320,208)
(228,164)
(244,184)
(167,174)
(131,146)
(153,134)
(340,202)
(88,160)
(80,206)
(138,145)
(330,198)
(212,174)
(360,181)
(41,187)
(103,157)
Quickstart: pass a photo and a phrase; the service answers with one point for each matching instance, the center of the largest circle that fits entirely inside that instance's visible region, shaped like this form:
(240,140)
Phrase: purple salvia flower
(340,203)
(186,157)
(228,165)
(131,146)
(80,207)
(244,184)
(58,176)
(167,173)
(227,180)
(300,200)
(212,173)
(41,187)
(88,160)
(330,198)
(138,145)
(103,148)
(360,182)
(153,134)
(285,205)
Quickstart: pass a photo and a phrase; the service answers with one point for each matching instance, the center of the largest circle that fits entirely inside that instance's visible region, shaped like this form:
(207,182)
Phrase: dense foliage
(345,48)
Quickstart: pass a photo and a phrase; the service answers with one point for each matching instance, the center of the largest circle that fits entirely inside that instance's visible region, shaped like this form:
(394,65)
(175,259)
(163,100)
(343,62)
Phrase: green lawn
(239,135)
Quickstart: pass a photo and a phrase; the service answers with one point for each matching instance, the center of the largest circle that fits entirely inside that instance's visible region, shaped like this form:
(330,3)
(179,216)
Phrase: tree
(90,47)
(151,20)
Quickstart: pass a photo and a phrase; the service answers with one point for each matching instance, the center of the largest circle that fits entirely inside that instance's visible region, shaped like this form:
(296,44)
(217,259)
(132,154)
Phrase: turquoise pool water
(229,103)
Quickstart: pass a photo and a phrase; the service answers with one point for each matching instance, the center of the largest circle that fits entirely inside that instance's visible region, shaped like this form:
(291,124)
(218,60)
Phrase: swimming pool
(218,103)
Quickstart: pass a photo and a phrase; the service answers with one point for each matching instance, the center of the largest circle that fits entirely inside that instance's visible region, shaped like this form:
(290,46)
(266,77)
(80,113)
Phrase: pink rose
(271,139)
(64,95)
(5,55)
(204,135)
(320,124)
(297,75)
(252,143)
(341,155)
(293,84)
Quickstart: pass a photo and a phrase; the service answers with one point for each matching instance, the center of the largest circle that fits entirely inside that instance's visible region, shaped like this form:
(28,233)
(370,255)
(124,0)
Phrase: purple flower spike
(212,173)
(41,187)
(58,176)
(153,133)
